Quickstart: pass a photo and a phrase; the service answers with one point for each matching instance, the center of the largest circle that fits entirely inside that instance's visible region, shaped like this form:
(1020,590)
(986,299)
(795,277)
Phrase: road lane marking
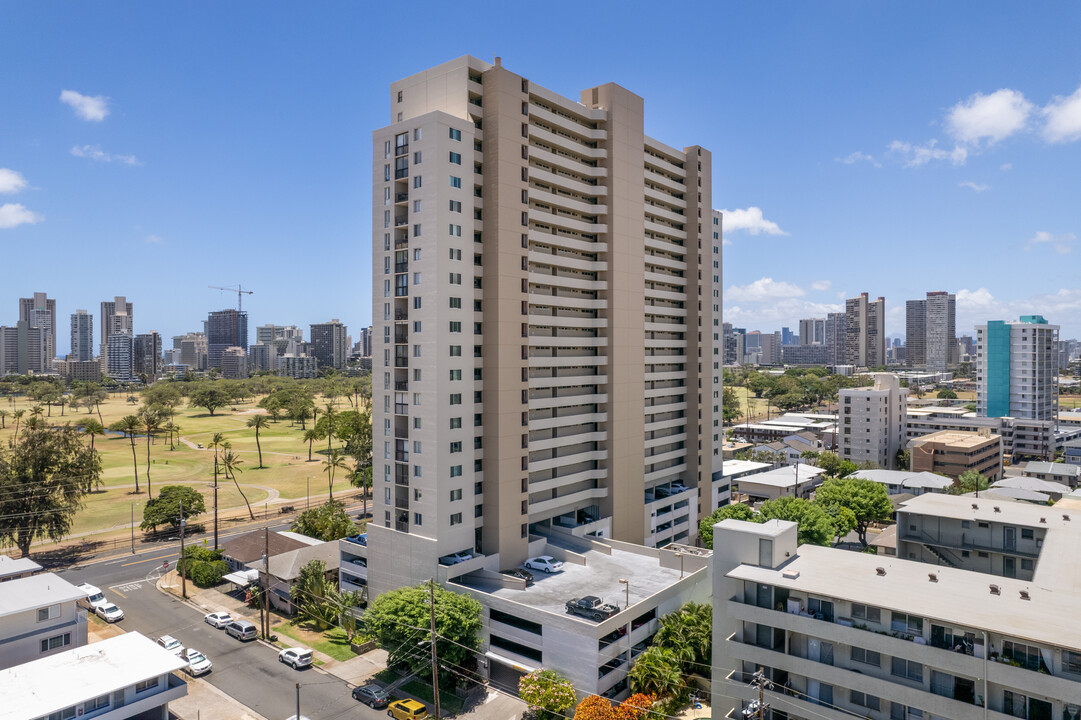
(119,593)
(136,562)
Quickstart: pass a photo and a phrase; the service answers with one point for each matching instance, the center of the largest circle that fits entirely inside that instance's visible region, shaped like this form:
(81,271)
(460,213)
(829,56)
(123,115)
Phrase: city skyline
(907,164)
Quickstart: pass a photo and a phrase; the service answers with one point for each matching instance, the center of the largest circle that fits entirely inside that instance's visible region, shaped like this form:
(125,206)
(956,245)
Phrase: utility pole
(435,660)
(298,701)
(183,579)
(215,507)
(266,584)
(758,708)
(133,528)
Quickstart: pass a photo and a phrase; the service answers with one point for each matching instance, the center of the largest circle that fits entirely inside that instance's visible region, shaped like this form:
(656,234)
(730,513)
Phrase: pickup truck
(591,607)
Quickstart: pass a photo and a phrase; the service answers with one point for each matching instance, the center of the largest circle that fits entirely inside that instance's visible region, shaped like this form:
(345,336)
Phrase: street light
(627,586)
(680,556)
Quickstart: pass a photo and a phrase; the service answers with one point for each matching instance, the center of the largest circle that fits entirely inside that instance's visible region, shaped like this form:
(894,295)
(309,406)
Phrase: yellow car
(407,710)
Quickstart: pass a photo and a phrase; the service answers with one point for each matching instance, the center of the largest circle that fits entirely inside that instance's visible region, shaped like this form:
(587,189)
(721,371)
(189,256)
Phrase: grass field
(286,474)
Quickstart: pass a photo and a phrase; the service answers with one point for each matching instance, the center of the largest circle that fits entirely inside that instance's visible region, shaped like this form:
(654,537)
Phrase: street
(247,671)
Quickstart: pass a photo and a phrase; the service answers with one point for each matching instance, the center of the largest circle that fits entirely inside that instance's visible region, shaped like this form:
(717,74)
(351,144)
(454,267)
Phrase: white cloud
(821,285)
(94,152)
(976,307)
(1006,167)
(773,315)
(991,117)
(153,239)
(857,157)
(14,214)
(762,290)
(1061,243)
(978,187)
(751,220)
(917,155)
(93,108)
(11,182)
(1062,118)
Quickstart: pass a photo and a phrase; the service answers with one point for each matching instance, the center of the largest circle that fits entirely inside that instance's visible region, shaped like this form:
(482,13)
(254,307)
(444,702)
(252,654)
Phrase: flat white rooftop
(741,467)
(785,477)
(906,479)
(17,566)
(59,681)
(36,591)
(1023,482)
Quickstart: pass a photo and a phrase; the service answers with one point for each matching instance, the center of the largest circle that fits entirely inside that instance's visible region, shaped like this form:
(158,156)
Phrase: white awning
(510,663)
(241,577)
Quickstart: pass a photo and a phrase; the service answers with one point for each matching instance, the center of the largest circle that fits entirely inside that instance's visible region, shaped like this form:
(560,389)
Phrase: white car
(171,644)
(218,619)
(198,663)
(455,558)
(544,563)
(298,657)
(109,613)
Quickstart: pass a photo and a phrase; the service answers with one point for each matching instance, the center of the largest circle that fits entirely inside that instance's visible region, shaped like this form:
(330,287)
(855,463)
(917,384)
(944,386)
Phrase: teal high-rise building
(1015,369)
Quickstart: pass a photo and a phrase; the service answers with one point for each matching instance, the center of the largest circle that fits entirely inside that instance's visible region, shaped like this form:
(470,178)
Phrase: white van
(94,597)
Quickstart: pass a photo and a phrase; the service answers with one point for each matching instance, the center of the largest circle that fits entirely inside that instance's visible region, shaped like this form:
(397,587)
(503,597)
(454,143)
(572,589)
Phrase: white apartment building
(841,634)
(82,336)
(871,422)
(1015,369)
(127,676)
(120,357)
(39,617)
(542,317)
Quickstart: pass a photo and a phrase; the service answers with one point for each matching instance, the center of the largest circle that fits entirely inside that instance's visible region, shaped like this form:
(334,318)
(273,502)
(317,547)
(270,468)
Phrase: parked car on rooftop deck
(546,563)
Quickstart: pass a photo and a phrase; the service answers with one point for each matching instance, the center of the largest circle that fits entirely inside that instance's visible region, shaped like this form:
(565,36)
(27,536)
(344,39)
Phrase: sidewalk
(206,702)
(360,669)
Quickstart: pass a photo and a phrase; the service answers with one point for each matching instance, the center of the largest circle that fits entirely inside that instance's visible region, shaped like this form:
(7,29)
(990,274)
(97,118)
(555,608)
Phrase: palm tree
(92,427)
(310,436)
(3,419)
(656,671)
(129,425)
(332,418)
(232,467)
(335,461)
(151,421)
(18,415)
(62,402)
(258,422)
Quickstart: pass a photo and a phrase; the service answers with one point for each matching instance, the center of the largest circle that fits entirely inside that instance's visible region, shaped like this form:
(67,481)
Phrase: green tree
(209,396)
(736,511)
(547,692)
(310,436)
(335,461)
(731,410)
(867,500)
(947,394)
(203,566)
(835,466)
(130,426)
(969,481)
(843,519)
(258,422)
(314,596)
(165,508)
(656,671)
(42,482)
(328,522)
(399,617)
(904,460)
(231,464)
(151,422)
(688,633)
(92,428)
(815,526)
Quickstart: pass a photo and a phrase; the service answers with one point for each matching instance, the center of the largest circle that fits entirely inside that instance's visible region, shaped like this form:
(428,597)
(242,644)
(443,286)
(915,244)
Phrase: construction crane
(239,290)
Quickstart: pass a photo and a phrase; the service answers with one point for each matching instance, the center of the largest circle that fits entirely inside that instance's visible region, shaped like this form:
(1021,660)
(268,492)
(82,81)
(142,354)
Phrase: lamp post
(626,586)
(680,556)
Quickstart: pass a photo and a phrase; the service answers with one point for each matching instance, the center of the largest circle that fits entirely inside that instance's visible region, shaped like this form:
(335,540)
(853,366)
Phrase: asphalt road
(247,671)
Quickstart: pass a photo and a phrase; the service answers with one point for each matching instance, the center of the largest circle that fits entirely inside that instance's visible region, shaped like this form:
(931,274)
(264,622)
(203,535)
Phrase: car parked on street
(371,695)
(218,619)
(544,563)
(94,596)
(407,710)
(198,664)
(109,613)
(171,644)
(242,630)
(297,657)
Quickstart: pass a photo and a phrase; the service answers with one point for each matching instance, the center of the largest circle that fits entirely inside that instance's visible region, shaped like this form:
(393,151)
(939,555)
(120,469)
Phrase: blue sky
(892,148)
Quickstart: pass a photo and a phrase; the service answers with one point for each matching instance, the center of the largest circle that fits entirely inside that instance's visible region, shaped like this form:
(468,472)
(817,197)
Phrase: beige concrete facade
(542,317)
(952,453)
(872,422)
(865,331)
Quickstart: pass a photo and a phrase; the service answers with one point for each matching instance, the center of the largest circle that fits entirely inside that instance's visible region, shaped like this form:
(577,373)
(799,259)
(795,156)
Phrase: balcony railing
(400,150)
(401,197)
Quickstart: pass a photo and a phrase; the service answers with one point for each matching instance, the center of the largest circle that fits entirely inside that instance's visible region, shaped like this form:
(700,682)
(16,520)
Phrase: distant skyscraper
(193,350)
(836,332)
(147,355)
(865,333)
(120,356)
(40,311)
(82,336)
(1015,369)
(22,349)
(366,341)
(812,331)
(930,332)
(329,344)
(225,329)
(788,337)
(117,316)
(234,363)
(267,334)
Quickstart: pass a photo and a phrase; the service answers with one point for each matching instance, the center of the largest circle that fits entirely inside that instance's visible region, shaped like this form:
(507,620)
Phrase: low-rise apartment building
(1071,452)
(821,425)
(1021,437)
(15,568)
(1065,473)
(789,481)
(872,422)
(907,481)
(953,453)
(127,676)
(838,634)
(39,617)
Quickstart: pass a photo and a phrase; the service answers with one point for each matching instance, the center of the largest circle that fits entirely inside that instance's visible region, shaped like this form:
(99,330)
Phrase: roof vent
(1043,521)
(998,509)
(880,571)
(996,590)
(1024,595)
(1066,518)
(790,574)
(975,506)
(933,577)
